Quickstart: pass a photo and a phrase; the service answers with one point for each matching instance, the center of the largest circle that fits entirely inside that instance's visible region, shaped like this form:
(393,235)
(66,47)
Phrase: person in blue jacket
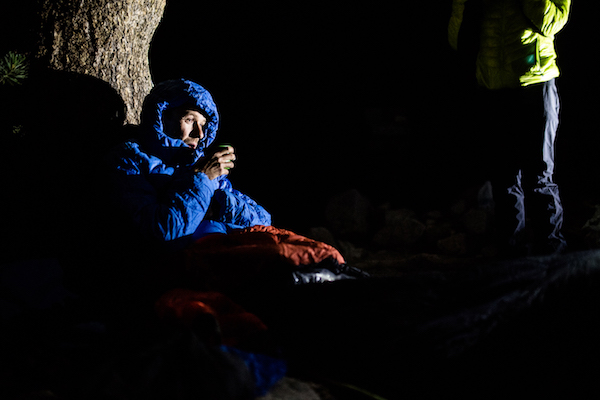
(169,182)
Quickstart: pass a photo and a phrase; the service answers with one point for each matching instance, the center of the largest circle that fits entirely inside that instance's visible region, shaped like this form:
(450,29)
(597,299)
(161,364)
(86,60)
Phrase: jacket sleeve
(161,202)
(549,16)
(237,208)
(456,18)
(170,214)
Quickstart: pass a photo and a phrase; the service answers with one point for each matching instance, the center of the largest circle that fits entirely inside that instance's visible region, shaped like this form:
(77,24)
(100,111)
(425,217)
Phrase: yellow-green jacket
(517,40)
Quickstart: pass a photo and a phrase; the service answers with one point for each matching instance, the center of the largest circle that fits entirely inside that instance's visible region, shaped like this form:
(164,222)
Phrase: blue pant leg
(547,210)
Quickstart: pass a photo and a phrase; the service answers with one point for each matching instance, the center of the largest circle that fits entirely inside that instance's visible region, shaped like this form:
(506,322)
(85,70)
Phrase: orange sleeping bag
(223,261)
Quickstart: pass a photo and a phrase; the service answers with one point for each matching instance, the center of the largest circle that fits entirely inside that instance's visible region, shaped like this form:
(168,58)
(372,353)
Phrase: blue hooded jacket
(154,182)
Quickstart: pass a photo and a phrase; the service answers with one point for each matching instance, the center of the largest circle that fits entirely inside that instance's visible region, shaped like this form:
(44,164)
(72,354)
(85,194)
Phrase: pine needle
(13,69)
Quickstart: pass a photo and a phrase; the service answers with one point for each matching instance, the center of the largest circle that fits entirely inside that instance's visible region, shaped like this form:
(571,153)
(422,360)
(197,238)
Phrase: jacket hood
(172,94)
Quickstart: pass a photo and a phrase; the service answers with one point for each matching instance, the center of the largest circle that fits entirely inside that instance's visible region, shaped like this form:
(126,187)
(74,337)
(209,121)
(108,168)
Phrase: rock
(382,263)
(322,234)
(433,215)
(401,229)
(436,230)
(485,197)
(393,217)
(349,214)
(459,207)
(350,251)
(403,233)
(347,249)
(591,229)
(476,221)
(455,244)
(294,389)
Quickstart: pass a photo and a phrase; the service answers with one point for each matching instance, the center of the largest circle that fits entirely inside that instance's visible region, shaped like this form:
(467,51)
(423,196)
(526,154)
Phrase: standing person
(508,49)
(169,186)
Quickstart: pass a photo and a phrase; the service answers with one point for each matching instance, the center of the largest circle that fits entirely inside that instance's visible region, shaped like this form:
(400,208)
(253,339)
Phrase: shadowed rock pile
(368,235)
(382,238)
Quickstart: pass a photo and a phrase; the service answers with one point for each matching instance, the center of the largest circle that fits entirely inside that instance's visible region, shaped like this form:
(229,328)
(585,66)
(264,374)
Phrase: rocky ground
(383,239)
(436,245)
(438,283)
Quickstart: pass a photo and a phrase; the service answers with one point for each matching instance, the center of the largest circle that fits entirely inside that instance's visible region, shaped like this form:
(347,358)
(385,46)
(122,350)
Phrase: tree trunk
(106,39)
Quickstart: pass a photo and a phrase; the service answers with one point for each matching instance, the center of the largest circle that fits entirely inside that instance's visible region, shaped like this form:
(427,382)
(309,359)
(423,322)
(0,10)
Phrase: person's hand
(219,163)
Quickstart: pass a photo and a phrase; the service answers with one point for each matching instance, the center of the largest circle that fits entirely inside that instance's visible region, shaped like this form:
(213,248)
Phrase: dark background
(320,97)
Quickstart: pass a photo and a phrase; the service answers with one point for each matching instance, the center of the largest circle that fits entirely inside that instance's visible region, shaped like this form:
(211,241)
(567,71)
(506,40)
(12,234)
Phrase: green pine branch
(13,69)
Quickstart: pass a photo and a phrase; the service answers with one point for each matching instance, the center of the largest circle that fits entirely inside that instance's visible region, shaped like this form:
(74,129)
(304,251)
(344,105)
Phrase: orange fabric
(183,306)
(227,261)
(297,249)
(269,241)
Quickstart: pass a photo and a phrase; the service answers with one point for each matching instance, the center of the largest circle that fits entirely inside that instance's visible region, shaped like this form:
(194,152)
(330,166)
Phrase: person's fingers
(228,151)
(228,164)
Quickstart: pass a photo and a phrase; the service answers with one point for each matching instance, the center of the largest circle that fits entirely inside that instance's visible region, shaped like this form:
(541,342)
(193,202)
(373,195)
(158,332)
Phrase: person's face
(189,127)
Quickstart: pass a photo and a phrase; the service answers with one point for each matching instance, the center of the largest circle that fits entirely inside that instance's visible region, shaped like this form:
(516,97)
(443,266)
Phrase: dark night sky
(297,83)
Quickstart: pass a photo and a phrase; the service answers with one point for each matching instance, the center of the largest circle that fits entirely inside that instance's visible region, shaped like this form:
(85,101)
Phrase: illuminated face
(188,127)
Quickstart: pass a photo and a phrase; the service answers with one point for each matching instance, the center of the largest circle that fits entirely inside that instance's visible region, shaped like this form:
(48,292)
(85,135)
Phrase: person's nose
(198,131)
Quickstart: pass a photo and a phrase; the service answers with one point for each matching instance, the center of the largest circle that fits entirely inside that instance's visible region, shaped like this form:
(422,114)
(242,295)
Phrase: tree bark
(106,39)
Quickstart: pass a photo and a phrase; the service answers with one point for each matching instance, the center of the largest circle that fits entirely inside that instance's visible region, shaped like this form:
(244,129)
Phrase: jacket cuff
(202,180)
